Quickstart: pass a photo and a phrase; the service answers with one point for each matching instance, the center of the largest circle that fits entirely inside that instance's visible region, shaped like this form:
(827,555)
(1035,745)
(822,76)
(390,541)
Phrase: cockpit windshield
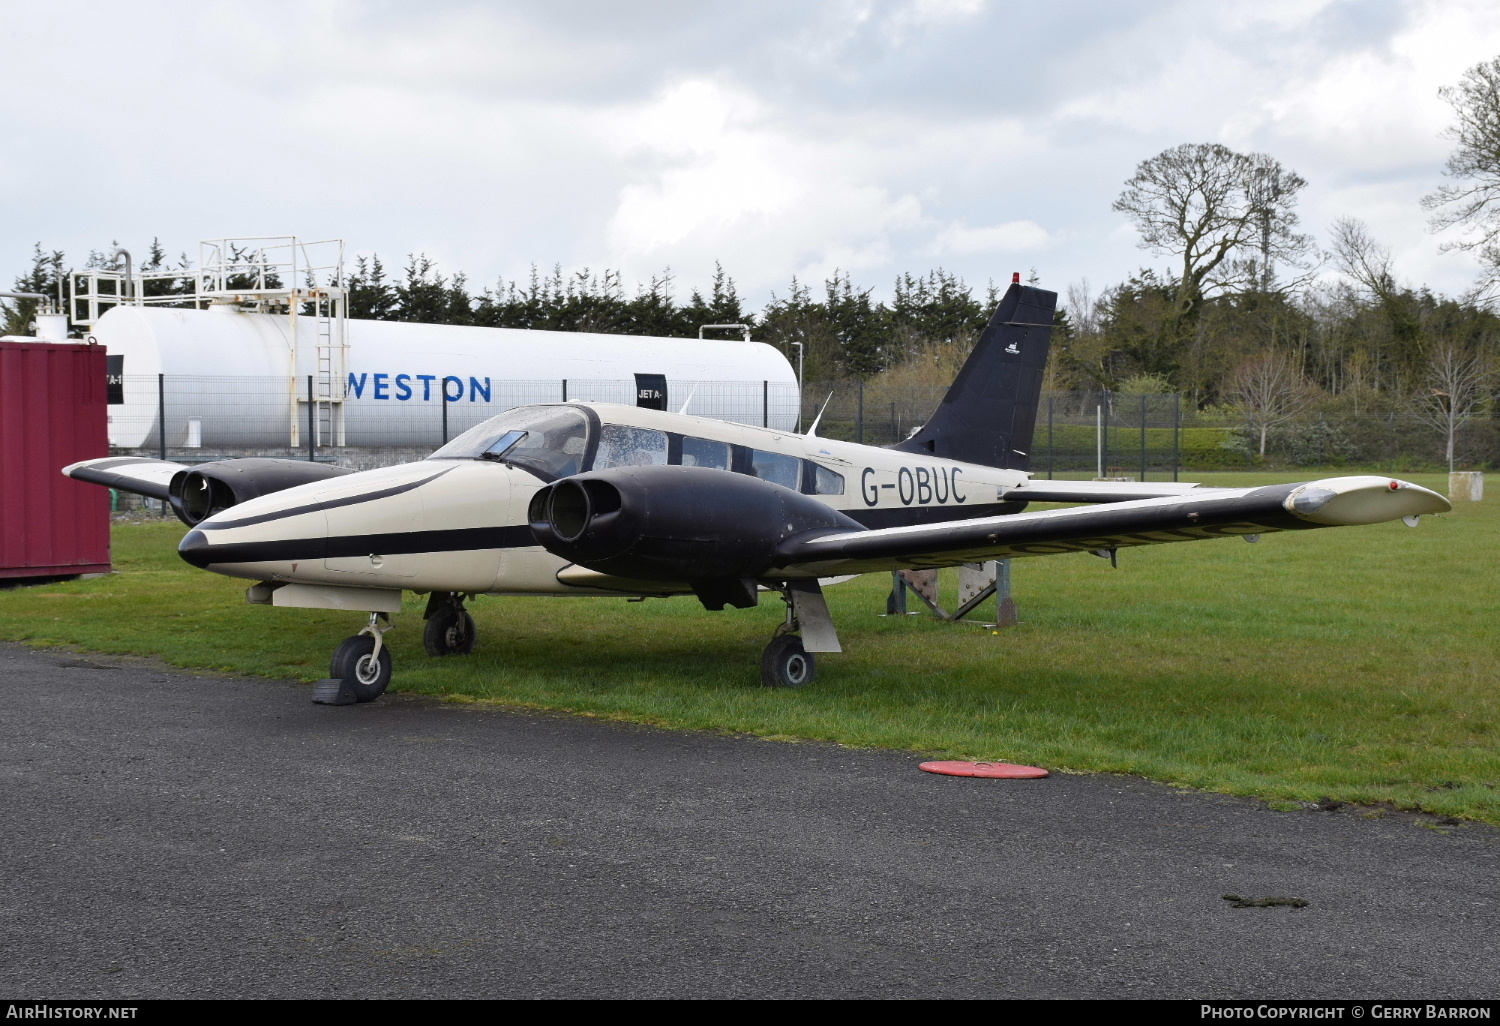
(551,439)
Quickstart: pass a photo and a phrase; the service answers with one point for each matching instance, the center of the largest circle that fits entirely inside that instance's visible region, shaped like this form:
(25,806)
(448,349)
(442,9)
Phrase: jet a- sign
(605,500)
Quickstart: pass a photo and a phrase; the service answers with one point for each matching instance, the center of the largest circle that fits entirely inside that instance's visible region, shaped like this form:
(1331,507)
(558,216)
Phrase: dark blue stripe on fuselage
(195,547)
(314,507)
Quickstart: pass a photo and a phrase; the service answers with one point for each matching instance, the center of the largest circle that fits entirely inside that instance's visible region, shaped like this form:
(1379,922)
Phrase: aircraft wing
(139,474)
(1199,514)
(1096,491)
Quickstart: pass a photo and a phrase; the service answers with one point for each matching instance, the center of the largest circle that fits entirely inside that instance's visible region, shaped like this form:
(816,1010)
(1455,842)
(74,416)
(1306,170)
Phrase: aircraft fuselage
(460,524)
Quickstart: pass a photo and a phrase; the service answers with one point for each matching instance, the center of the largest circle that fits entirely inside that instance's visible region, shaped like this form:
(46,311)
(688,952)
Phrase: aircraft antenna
(813,431)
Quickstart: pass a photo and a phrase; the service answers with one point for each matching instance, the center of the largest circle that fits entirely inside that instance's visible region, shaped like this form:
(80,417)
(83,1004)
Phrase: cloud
(780,137)
(1010,237)
(720,179)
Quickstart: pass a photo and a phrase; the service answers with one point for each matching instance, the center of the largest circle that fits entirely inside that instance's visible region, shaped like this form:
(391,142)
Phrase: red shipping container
(52,412)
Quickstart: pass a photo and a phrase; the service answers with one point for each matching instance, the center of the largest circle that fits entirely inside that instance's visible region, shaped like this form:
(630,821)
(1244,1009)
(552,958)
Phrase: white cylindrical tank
(52,327)
(234,372)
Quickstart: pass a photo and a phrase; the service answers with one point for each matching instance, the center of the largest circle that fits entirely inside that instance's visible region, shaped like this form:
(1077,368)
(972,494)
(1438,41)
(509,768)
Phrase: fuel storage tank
(233,378)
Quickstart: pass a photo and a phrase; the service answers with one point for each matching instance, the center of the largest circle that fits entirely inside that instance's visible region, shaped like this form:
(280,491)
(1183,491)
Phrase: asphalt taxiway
(173,835)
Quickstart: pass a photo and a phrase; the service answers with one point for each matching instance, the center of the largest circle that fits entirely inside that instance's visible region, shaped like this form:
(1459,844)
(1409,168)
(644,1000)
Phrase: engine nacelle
(674,523)
(199,493)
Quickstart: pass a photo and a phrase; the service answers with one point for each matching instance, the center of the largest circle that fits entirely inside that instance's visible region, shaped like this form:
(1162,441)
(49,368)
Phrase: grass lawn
(1355,663)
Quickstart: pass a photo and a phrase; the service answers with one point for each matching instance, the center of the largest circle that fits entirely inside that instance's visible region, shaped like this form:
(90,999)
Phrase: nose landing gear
(360,668)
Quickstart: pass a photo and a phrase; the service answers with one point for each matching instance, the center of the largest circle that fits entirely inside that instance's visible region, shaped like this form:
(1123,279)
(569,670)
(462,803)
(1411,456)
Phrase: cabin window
(703,452)
(826,482)
(623,446)
(776,468)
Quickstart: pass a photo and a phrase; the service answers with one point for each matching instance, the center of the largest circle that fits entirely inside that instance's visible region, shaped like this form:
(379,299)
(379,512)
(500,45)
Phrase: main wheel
(786,664)
(354,663)
(449,631)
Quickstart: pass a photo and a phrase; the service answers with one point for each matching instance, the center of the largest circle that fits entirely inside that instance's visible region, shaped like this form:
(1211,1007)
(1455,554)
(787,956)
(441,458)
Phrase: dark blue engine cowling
(674,523)
(199,493)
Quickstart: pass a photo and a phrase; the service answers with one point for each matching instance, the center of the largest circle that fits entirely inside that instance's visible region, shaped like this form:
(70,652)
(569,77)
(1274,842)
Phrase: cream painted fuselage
(460,525)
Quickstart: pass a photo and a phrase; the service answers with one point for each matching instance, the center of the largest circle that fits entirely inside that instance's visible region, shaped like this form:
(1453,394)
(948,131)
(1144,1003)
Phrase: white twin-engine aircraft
(604,500)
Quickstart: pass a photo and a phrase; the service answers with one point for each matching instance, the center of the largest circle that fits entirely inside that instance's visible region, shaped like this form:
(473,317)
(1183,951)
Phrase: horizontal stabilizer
(140,475)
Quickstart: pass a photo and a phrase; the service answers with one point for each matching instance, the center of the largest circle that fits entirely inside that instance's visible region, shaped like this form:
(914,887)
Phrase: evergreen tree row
(1375,340)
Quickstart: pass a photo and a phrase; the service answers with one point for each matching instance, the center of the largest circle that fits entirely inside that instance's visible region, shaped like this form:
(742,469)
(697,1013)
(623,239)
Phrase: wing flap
(139,474)
(1205,513)
(1097,491)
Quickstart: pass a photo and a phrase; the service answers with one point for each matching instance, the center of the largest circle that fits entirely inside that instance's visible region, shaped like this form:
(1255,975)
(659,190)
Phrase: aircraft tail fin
(989,413)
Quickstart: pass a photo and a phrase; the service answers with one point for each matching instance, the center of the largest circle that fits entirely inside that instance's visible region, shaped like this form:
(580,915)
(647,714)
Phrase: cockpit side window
(551,440)
(825,481)
(623,446)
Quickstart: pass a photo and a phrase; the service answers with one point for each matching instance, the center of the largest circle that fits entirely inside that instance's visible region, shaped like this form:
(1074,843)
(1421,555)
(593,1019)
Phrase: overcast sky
(780,138)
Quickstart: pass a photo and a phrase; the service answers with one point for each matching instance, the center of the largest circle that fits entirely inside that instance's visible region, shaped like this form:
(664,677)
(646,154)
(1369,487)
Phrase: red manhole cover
(1006,770)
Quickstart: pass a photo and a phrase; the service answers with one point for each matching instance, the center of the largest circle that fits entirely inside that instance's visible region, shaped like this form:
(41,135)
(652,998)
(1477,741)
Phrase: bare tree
(1359,257)
(1083,309)
(1270,389)
(1473,199)
(1367,263)
(1209,205)
(1455,387)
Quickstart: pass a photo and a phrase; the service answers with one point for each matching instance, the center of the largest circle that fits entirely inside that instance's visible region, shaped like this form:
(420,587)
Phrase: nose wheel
(360,668)
(359,664)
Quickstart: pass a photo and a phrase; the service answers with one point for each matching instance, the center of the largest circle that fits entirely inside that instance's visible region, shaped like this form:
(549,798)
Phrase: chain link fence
(1157,437)
(1078,434)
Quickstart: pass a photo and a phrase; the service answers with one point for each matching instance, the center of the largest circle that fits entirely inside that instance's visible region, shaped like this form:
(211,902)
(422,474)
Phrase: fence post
(859,416)
(1107,455)
(311,420)
(1176,434)
(565,389)
(1391,417)
(1050,400)
(161,416)
(1143,436)
(161,421)
(1321,431)
(765,404)
(443,387)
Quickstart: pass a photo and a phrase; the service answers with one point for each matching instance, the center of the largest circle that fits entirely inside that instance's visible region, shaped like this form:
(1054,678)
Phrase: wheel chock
(333,691)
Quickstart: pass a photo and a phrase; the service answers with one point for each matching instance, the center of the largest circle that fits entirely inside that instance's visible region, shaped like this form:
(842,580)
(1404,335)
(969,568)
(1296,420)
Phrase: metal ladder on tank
(328,376)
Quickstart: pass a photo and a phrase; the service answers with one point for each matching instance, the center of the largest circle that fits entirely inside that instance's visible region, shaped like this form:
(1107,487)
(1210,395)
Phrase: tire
(449,631)
(786,664)
(352,664)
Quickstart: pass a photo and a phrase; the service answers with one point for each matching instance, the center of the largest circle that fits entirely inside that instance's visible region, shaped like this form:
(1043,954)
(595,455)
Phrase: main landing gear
(450,628)
(788,661)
